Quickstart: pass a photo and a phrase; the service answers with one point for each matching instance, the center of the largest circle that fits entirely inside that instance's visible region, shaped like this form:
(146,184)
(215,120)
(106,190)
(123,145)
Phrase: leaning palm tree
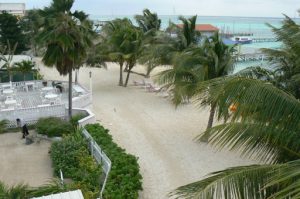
(265,126)
(65,38)
(285,61)
(24,67)
(148,21)
(121,42)
(198,64)
(150,24)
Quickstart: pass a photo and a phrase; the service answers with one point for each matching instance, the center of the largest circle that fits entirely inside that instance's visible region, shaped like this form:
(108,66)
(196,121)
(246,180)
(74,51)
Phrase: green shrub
(53,127)
(3,124)
(74,119)
(71,155)
(124,179)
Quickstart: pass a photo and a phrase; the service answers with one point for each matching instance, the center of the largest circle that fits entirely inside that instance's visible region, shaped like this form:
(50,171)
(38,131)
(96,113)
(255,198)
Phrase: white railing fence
(31,115)
(94,148)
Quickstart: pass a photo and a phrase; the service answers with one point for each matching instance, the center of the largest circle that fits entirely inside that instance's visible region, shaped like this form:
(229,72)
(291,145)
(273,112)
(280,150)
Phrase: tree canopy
(11,32)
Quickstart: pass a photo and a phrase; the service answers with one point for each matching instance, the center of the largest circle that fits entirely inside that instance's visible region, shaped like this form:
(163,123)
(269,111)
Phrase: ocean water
(256,25)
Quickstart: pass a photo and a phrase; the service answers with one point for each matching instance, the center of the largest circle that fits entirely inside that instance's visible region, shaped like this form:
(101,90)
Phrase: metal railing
(95,149)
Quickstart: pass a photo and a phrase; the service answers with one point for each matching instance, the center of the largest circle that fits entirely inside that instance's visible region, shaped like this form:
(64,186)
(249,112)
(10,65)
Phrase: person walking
(24,128)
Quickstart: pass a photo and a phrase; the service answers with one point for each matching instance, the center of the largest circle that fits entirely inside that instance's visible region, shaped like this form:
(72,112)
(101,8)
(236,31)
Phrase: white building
(17,9)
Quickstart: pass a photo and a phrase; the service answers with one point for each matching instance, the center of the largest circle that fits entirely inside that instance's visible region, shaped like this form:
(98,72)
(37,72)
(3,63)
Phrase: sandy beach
(148,126)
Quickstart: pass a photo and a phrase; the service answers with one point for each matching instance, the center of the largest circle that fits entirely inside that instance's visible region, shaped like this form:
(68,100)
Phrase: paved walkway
(21,163)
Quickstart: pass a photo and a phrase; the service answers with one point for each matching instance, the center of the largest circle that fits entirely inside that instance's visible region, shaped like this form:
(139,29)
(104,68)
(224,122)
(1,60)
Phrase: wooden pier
(251,57)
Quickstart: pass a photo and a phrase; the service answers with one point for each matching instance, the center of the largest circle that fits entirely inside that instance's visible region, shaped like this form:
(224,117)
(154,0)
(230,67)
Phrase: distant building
(205,29)
(17,9)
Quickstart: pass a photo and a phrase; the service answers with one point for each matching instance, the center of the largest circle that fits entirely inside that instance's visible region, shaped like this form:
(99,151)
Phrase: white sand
(149,127)
(21,163)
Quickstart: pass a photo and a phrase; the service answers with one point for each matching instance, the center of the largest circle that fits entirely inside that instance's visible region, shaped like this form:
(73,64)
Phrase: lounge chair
(139,83)
(152,88)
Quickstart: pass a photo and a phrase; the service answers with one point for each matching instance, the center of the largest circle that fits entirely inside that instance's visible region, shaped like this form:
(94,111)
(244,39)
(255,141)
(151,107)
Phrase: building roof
(203,27)
(67,195)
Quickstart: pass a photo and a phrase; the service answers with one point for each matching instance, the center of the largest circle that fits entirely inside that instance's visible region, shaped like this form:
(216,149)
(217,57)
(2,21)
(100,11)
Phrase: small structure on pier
(205,29)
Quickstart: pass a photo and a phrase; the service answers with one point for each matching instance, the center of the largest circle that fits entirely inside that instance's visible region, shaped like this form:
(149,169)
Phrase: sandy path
(21,163)
(149,127)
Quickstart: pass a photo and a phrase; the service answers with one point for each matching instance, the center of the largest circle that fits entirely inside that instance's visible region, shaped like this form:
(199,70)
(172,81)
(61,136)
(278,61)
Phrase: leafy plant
(74,119)
(124,179)
(53,126)
(71,155)
(3,124)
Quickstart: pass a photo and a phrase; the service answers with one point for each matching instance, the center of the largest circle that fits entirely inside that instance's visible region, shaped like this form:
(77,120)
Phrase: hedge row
(71,155)
(125,180)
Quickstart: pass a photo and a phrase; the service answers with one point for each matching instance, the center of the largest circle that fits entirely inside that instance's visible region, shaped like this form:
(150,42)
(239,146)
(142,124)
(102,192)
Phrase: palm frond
(232,183)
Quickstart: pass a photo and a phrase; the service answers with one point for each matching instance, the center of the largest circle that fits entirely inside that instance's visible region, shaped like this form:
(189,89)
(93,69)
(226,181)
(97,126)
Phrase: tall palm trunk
(70,93)
(121,75)
(76,76)
(205,137)
(128,74)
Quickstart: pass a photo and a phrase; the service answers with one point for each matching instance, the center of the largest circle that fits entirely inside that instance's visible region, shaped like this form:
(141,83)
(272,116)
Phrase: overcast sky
(254,8)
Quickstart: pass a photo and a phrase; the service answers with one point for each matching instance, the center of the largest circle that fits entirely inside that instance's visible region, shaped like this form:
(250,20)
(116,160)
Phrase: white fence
(94,148)
(31,115)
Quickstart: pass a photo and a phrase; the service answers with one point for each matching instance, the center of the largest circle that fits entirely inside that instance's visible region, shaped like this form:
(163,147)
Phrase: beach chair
(152,88)
(139,83)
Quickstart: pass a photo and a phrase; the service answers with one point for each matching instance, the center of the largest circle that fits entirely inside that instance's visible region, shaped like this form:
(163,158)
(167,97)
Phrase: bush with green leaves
(53,127)
(125,180)
(3,124)
(71,155)
(74,119)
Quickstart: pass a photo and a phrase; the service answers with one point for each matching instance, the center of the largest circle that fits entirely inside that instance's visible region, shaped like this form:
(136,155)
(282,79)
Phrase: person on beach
(24,128)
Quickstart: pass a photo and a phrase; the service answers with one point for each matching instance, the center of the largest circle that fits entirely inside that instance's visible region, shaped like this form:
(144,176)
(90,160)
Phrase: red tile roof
(203,27)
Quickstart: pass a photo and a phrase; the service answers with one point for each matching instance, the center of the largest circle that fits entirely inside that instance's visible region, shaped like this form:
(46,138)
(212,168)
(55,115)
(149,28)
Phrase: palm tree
(121,42)
(112,47)
(194,65)
(66,39)
(24,67)
(285,61)
(148,21)
(150,25)
(264,126)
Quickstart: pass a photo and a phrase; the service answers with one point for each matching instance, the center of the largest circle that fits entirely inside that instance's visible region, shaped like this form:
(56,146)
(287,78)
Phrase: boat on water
(242,39)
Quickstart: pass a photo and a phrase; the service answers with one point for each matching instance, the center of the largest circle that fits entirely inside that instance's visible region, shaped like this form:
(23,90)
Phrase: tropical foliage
(121,42)
(11,32)
(66,36)
(71,156)
(24,67)
(285,61)
(125,180)
(53,127)
(150,24)
(3,124)
(30,25)
(210,59)
(6,55)
(264,126)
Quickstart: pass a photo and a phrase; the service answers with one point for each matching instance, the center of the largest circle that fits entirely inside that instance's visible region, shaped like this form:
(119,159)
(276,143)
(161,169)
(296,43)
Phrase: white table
(29,85)
(6,86)
(51,96)
(10,102)
(78,89)
(47,88)
(8,91)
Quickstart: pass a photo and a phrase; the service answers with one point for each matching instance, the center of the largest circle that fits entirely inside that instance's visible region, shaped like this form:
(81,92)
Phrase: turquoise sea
(256,25)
